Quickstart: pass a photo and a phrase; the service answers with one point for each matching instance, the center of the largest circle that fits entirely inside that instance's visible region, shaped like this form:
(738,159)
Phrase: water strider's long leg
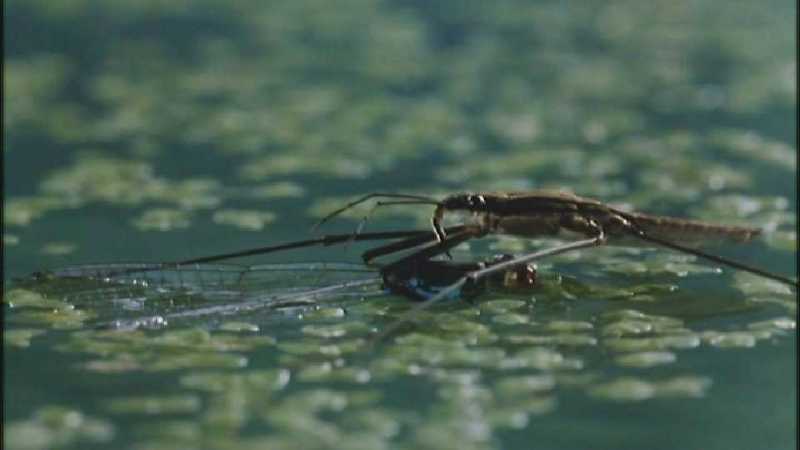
(439,248)
(323,240)
(478,274)
(718,259)
(363,222)
(413,238)
(397,273)
(394,247)
(416,198)
(411,242)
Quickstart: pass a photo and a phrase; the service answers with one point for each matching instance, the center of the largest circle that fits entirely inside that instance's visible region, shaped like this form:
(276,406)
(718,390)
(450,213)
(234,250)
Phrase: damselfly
(180,286)
(147,295)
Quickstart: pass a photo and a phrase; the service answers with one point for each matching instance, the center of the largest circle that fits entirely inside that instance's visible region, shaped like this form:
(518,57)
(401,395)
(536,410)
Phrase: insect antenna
(418,199)
(718,259)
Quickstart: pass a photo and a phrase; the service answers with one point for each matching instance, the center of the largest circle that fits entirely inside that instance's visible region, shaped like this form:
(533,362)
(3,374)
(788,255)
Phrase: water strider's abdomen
(682,231)
(690,232)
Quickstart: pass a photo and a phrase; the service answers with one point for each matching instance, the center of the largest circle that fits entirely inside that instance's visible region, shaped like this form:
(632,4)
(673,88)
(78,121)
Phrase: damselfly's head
(518,277)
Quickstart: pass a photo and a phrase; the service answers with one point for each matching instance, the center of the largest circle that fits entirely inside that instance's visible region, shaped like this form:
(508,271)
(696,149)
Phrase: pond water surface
(160,131)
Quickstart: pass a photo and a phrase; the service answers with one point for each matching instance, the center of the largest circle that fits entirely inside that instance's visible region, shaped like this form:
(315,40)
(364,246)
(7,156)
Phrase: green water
(153,131)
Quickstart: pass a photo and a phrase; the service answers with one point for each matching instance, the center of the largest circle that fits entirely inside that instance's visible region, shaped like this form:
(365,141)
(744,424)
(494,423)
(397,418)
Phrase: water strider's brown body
(547,213)
(543,213)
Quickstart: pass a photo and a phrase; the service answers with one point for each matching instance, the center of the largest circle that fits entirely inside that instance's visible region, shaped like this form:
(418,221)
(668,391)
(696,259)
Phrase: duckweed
(646,359)
(568,326)
(326,372)
(323,331)
(163,219)
(238,327)
(56,426)
(21,211)
(683,341)
(729,339)
(780,323)
(58,248)
(526,384)
(23,298)
(325,312)
(197,361)
(277,190)
(542,359)
(782,240)
(685,386)
(182,404)
(20,337)
(245,219)
(98,178)
(500,306)
(624,389)
(557,339)
(627,327)
(511,319)
(256,379)
(64,317)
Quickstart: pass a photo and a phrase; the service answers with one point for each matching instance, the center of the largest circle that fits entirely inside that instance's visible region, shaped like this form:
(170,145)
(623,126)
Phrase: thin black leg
(405,244)
(324,241)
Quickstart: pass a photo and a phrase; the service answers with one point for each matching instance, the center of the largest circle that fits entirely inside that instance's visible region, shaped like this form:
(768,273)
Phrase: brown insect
(545,213)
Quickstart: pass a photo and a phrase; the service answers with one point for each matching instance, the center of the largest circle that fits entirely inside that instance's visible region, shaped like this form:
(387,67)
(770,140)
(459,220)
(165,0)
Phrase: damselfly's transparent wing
(130,295)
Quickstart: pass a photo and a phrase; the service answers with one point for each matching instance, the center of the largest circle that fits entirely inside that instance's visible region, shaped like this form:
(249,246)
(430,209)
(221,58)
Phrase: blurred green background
(162,130)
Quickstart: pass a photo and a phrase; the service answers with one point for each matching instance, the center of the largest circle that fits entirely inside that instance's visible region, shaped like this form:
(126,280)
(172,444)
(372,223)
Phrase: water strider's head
(468,202)
(464,202)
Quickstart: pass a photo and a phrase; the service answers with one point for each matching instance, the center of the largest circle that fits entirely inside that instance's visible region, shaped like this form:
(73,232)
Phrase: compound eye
(476,201)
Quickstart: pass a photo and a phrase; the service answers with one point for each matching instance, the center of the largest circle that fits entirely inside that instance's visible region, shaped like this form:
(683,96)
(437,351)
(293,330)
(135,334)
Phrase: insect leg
(363,222)
(718,259)
(405,244)
(464,234)
(324,241)
(367,197)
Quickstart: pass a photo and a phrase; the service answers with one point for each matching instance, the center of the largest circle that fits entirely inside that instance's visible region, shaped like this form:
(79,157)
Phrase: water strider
(545,213)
